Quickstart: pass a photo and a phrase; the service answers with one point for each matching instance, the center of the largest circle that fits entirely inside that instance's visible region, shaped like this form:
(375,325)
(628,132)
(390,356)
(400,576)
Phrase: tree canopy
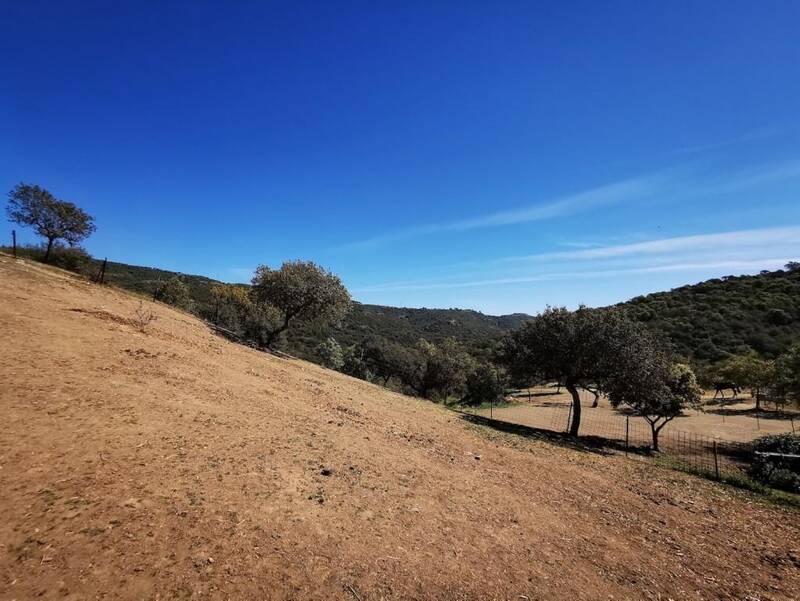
(564,346)
(299,290)
(787,374)
(173,292)
(51,218)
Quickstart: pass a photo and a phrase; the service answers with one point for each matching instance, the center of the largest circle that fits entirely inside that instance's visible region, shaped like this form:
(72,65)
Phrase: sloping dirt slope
(172,464)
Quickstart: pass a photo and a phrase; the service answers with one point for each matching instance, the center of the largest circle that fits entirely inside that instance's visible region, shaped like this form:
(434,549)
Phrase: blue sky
(496,156)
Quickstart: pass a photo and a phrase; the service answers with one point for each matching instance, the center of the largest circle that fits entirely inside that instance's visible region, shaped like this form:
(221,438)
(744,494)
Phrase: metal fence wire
(630,434)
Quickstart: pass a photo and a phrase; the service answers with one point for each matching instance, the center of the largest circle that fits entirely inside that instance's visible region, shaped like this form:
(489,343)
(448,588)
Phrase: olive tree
(330,353)
(749,371)
(559,345)
(299,290)
(173,292)
(53,219)
(654,389)
(437,370)
(485,384)
(231,304)
(787,374)
(353,363)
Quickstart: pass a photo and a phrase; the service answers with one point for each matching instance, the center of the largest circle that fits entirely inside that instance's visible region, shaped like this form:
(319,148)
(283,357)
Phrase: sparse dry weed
(143,317)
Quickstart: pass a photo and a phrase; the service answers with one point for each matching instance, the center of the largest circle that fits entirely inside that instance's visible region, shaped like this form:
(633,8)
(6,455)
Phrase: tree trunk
(49,248)
(272,335)
(576,408)
(655,436)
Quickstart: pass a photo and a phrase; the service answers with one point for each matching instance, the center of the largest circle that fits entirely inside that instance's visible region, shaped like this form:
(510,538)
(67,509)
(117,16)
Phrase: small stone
(326,471)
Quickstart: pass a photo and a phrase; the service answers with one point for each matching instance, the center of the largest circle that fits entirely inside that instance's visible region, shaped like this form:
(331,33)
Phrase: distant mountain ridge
(711,320)
(397,324)
(704,322)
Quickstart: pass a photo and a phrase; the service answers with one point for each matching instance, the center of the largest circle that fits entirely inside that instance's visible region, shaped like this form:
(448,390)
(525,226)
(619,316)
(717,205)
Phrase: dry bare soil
(735,420)
(171,464)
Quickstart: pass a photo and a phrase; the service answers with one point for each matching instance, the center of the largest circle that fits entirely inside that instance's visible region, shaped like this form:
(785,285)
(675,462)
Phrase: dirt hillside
(171,464)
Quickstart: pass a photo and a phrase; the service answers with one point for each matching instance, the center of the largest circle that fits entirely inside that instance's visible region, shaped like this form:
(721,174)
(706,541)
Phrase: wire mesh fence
(629,434)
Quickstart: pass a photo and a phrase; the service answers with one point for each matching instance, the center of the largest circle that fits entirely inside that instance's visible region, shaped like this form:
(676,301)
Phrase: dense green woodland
(709,321)
(704,322)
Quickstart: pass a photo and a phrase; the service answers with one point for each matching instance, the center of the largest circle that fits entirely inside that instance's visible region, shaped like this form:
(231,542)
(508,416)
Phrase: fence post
(791,419)
(14,242)
(627,430)
(716,461)
(491,409)
(569,418)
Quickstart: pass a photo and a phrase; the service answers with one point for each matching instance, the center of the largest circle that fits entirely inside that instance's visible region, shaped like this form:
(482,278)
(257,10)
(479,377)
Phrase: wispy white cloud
(743,249)
(762,133)
(742,265)
(664,185)
(739,239)
(616,193)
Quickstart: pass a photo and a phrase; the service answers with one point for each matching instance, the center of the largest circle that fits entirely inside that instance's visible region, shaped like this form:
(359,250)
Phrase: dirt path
(172,464)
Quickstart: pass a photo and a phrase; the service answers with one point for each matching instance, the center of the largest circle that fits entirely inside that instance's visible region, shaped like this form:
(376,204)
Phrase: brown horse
(721,387)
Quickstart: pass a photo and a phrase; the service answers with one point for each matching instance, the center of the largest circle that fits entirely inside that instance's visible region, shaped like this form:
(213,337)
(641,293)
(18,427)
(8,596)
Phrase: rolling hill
(163,462)
(704,322)
(733,315)
(401,325)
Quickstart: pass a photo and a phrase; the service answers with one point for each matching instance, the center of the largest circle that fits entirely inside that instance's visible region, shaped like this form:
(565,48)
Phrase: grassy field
(171,464)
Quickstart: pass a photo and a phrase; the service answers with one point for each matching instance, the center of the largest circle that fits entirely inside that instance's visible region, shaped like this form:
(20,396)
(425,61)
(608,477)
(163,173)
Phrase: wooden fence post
(14,242)
(716,461)
(627,429)
(569,418)
(102,277)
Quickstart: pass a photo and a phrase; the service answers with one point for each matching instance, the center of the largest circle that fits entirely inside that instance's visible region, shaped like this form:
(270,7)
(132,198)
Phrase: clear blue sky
(498,156)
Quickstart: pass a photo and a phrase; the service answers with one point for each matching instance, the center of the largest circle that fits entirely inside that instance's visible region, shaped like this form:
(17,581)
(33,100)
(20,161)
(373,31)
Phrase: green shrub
(776,471)
(71,258)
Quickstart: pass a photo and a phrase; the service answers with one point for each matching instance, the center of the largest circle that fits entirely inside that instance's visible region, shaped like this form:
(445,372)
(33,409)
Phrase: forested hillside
(731,315)
(403,326)
(705,322)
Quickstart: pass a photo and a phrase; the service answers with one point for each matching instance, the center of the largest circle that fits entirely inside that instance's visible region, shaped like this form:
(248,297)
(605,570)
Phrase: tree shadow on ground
(753,412)
(587,444)
(525,395)
(563,404)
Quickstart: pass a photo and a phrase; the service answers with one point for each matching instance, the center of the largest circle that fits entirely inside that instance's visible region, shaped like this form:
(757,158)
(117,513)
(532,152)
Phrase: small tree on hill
(330,353)
(656,390)
(173,292)
(587,348)
(558,345)
(751,372)
(353,363)
(231,304)
(787,374)
(438,371)
(299,290)
(485,384)
(51,218)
